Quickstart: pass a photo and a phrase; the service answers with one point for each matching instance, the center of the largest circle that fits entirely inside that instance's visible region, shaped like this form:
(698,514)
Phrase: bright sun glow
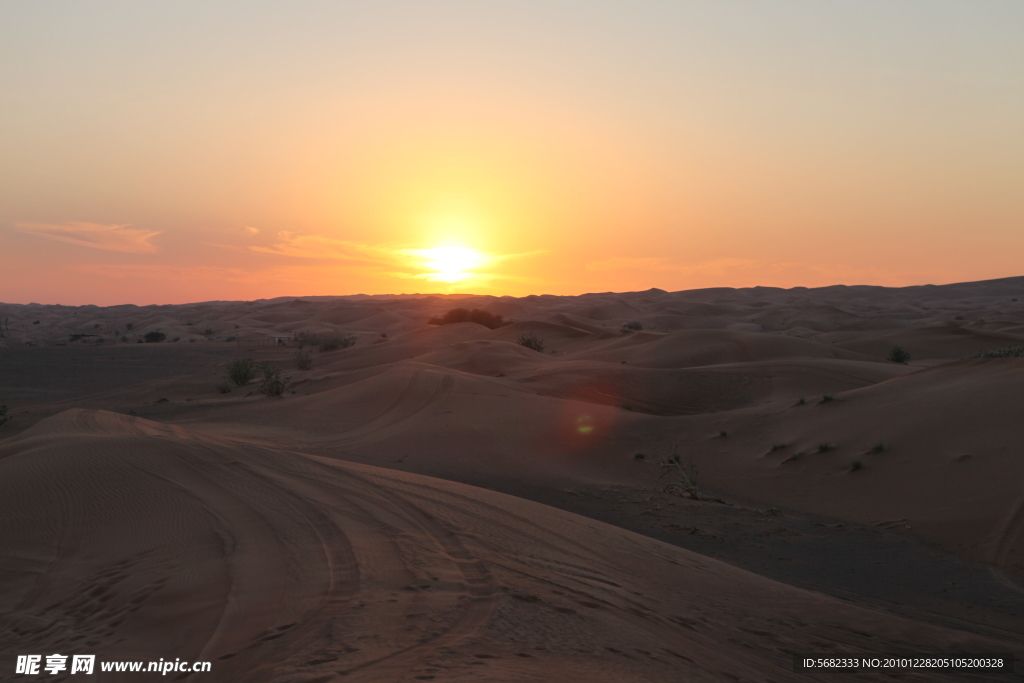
(451,264)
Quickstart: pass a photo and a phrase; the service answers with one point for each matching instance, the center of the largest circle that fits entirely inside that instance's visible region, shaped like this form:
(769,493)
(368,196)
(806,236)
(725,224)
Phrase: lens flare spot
(585,424)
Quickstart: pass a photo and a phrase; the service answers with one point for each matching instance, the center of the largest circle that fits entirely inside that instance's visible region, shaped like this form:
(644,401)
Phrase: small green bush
(827,398)
(531,341)
(128,326)
(877,448)
(334,343)
(632,326)
(273,384)
(723,433)
(639,456)
(3,416)
(856,465)
(224,388)
(154,337)
(801,401)
(384,335)
(898,355)
(825,446)
(241,371)
(303,360)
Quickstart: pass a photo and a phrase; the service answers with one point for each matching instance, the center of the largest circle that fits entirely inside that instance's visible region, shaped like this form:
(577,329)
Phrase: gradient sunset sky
(176,151)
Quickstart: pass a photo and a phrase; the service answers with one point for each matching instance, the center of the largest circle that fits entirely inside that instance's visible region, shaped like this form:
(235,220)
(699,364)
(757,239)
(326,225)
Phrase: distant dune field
(394,513)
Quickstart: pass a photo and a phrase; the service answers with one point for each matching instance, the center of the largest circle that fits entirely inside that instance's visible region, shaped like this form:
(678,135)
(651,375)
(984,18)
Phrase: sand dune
(692,348)
(137,538)
(353,528)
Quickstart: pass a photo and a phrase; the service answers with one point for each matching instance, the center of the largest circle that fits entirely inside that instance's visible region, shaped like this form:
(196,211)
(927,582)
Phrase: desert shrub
(303,360)
(898,355)
(334,343)
(208,331)
(801,401)
(154,337)
(128,326)
(273,384)
(230,338)
(224,387)
(124,338)
(464,315)
(856,465)
(959,317)
(633,325)
(3,415)
(827,398)
(384,335)
(176,339)
(723,433)
(877,448)
(825,447)
(1008,352)
(639,456)
(531,341)
(776,447)
(96,326)
(241,371)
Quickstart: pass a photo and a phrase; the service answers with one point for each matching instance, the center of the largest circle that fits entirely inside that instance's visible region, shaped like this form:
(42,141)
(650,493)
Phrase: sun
(451,264)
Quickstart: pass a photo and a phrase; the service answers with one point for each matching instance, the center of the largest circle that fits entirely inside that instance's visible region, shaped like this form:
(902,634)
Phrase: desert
(455,502)
(660,341)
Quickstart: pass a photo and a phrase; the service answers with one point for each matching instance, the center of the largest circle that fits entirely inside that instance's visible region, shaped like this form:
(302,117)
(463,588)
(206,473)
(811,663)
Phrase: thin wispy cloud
(667,265)
(95,236)
(329,248)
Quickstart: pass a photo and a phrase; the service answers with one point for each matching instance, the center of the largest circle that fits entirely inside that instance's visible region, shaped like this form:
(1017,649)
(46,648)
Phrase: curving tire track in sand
(135,540)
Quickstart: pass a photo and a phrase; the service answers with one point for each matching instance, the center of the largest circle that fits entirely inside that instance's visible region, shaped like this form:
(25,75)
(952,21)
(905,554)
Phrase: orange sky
(187,151)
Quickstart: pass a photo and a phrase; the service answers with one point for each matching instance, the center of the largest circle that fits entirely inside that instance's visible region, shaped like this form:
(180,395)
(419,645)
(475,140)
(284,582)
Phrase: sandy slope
(142,540)
(265,535)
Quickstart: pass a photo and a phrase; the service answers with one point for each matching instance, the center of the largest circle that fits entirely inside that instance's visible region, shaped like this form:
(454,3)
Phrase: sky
(177,151)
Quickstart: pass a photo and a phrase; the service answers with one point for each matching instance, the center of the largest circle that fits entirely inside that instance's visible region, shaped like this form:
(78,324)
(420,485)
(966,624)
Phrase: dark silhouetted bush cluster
(531,341)
(1008,352)
(464,315)
(154,337)
(3,415)
(898,355)
(334,343)
(303,360)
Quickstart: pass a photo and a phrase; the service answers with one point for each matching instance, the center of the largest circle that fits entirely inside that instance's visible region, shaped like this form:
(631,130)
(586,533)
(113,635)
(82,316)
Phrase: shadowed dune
(136,538)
